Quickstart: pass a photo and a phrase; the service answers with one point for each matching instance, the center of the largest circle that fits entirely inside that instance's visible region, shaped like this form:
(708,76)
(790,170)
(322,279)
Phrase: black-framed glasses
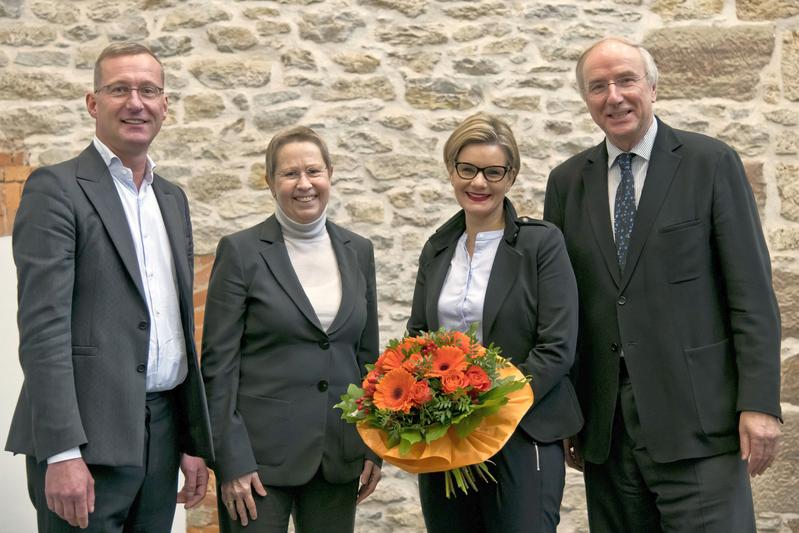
(597,88)
(120,90)
(467,171)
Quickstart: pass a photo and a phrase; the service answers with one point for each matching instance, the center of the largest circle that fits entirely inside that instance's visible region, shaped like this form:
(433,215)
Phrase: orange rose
(447,359)
(478,378)
(453,381)
(421,392)
(394,391)
(479,351)
(412,363)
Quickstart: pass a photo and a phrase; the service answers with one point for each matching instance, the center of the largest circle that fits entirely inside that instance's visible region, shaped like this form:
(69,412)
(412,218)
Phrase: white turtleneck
(314,262)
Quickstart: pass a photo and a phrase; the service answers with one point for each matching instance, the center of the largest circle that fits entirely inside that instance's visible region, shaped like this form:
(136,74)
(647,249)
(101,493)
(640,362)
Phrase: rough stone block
(754,173)
(231,38)
(441,93)
(413,34)
(786,286)
(357,63)
(410,8)
(789,388)
(369,211)
(219,74)
(26,35)
(202,106)
(478,10)
(734,55)
(355,88)
(193,16)
(788,187)
(766,9)
(329,27)
(790,65)
(56,12)
(280,118)
(687,9)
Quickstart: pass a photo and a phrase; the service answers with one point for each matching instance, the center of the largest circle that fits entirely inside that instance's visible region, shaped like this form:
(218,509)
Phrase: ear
(330,174)
(91,104)
(654,93)
(166,106)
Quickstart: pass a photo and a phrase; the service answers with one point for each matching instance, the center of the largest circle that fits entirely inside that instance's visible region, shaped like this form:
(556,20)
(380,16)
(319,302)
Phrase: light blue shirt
(640,164)
(460,303)
(167,366)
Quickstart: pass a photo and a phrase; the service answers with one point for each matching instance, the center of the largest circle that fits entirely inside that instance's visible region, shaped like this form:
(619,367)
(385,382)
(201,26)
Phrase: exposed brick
(10,194)
(13,158)
(17,173)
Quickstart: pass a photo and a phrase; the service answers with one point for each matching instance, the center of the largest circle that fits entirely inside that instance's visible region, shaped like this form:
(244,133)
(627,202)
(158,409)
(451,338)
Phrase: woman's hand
(369,479)
(237,496)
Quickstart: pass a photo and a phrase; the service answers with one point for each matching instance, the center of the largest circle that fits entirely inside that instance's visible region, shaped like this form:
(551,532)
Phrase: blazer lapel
(347,259)
(663,166)
(278,262)
(595,182)
(174,222)
(98,185)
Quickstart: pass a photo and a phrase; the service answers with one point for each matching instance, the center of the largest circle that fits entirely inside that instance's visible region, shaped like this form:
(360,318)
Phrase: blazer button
(141,368)
(622,300)
(322,386)
(143,324)
(614,347)
(324,344)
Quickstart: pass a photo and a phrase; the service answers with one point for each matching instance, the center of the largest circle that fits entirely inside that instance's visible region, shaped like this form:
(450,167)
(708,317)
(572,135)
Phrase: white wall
(16,512)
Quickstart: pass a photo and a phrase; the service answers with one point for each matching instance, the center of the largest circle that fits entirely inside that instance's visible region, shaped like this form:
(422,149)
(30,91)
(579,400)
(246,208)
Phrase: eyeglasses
(467,171)
(598,88)
(120,90)
(310,173)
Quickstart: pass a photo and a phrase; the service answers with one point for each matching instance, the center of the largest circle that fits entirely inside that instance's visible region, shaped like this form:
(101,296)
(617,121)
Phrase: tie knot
(624,159)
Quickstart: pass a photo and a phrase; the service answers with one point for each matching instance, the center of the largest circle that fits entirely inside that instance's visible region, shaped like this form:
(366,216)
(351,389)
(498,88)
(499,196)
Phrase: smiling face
(301,183)
(127,125)
(624,114)
(480,199)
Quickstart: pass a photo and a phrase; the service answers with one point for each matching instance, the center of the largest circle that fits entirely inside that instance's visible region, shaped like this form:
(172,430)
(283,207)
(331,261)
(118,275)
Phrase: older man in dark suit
(679,344)
(112,401)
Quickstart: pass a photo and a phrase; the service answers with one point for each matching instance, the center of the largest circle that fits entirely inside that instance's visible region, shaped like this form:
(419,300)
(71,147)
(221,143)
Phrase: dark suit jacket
(83,320)
(694,312)
(271,372)
(530,311)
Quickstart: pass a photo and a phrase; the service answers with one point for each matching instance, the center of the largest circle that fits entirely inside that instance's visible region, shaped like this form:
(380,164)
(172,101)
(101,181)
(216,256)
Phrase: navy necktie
(624,208)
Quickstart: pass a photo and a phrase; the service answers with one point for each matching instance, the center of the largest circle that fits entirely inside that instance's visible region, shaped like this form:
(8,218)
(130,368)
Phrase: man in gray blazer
(678,354)
(112,401)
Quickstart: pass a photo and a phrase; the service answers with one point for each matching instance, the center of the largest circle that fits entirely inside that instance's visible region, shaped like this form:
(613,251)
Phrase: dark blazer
(530,311)
(83,320)
(271,372)
(694,311)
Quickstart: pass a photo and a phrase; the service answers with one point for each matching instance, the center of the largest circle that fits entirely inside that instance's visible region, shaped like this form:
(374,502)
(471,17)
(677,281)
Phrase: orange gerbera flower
(389,360)
(394,391)
(461,340)
(446,359)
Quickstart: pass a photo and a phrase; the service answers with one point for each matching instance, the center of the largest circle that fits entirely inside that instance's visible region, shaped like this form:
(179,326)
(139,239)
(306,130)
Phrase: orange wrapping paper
(451,451)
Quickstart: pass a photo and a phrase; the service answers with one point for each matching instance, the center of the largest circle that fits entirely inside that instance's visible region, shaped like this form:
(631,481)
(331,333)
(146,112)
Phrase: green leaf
(468,424)
(411,436)
(404,447)
(354,391)
(435,432)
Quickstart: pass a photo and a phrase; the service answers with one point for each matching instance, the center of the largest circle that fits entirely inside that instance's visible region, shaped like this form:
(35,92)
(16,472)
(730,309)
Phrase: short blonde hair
(290,135)
(650,68)
(127,48)
(483,128)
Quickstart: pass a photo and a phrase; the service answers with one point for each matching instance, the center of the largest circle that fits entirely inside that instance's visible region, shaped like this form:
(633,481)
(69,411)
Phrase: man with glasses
(678,359)
(112,401)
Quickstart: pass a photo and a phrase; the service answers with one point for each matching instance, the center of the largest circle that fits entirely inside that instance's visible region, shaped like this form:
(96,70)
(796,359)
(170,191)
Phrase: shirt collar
(643,149)
(115,166)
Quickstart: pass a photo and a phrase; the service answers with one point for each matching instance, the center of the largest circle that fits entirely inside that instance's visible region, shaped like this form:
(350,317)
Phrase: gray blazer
(694,310)
(272,374)
(83,319)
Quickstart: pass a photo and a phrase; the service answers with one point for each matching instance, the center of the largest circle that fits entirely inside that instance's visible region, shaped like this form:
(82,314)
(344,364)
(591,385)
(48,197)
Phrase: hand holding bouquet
(439,402)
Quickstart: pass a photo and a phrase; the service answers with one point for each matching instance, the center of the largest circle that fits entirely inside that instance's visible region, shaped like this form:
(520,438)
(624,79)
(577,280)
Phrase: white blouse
(461,300)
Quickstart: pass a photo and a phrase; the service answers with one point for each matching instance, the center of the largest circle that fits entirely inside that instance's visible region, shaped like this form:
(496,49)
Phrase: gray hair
(650,68)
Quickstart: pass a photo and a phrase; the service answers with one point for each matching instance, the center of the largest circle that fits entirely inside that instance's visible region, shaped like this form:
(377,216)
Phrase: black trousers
(316,507)
(130,499)
(525,499)
(631,493)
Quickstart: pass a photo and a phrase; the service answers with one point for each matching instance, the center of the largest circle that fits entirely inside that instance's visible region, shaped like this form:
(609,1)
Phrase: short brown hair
(290,135)
(482,128)
(126,48)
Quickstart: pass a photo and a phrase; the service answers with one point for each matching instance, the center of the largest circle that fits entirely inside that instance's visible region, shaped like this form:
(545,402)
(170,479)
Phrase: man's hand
(369,479)
(69,489)
(196,480)
(573,457)
(760,435)
(237,496)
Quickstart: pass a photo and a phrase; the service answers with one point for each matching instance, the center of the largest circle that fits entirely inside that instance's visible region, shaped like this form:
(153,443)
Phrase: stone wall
(385,81)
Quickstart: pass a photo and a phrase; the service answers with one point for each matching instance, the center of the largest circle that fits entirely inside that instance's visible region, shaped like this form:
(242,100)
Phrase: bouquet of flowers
(439,402)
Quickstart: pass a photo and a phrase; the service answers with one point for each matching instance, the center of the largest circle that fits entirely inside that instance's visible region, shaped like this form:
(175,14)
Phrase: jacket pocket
(684,245)
(84,350)
(714,380)
(267,423)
